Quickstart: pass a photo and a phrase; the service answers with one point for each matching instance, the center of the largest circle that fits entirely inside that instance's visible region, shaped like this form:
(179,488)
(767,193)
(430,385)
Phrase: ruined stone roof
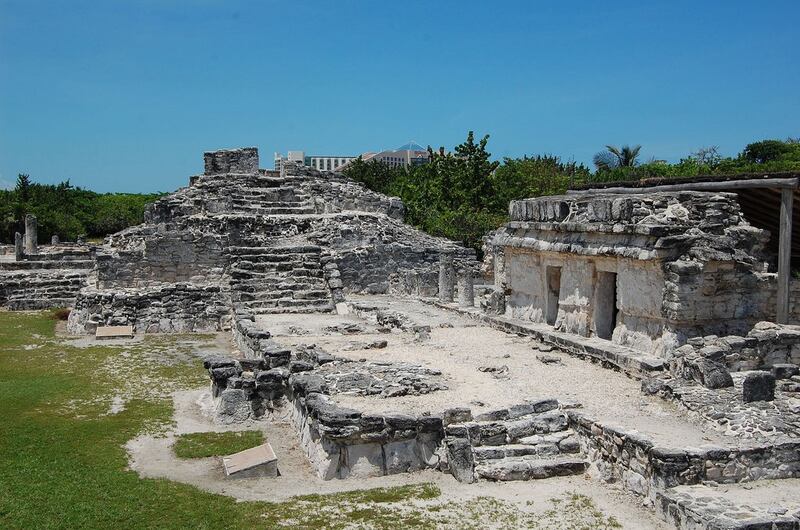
(666,225)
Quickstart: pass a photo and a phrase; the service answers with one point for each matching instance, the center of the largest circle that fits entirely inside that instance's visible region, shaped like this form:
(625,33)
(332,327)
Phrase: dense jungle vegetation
(460,194)
(463,194)
(68,211)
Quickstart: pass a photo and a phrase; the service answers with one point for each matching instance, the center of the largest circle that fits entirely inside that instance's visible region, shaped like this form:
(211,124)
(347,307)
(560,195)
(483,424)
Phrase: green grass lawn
(63,465)
(204,444)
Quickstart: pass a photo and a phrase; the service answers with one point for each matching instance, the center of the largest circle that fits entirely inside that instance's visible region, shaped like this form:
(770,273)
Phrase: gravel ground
(461,347)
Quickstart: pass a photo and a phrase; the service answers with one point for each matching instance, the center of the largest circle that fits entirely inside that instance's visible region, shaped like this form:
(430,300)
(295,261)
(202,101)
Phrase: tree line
(459,194)
(68,211)
(463,194)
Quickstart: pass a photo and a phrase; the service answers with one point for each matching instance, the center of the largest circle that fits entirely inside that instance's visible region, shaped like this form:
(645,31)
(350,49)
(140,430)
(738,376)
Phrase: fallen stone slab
(259,461)
(113,332)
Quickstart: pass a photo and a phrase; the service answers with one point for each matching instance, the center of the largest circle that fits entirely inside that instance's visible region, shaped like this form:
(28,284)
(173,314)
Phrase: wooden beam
(785,255)
(783,183)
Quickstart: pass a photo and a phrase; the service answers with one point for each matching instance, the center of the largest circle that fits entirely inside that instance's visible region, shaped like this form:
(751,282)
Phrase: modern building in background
(410,154)
(320,162)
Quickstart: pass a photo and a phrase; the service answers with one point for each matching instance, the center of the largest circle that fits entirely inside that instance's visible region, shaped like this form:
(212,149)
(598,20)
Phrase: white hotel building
(410,154)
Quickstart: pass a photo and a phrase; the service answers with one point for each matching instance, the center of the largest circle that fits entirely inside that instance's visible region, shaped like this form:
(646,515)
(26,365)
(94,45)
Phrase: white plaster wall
(640,294)
(525,277)
(577,291)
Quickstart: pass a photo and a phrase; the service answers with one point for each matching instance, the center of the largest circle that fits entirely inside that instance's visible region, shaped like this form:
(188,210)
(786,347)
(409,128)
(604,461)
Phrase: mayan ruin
(375,349)
(431,266)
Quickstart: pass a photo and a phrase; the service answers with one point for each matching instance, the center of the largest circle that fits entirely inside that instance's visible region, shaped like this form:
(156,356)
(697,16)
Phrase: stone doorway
(605,304)
(553,293)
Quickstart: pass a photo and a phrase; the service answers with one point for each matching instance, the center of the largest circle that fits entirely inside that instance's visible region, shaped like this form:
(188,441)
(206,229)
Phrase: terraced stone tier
(524,442)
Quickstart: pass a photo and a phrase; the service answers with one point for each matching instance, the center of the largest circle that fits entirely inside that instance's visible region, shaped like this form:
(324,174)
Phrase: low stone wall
(645,469)
(703,507)
(764,346)
(249,340)
(40,288)
(341,442)
(338,442)
(174,308)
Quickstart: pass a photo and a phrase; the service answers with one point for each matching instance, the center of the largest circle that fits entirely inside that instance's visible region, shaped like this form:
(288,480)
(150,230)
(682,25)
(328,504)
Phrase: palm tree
(613,157)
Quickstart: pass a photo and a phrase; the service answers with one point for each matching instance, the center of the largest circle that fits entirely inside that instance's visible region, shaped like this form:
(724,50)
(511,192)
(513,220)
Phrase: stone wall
(233,228)
(376,254)
(643,468)
(687,264)
(52,278)
(150,256)
(342,443)
(339,442)
(762,347)
(639,285)
(243,160)
(180,307)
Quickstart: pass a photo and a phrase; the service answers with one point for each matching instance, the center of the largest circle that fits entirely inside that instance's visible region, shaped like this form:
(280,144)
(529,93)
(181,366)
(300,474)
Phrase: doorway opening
(553,275)
(605,304)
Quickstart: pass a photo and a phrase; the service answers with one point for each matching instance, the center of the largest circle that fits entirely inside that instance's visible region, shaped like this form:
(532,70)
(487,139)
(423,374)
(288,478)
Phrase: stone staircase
(41,288)
(524,442)
(278,200)
(285,279)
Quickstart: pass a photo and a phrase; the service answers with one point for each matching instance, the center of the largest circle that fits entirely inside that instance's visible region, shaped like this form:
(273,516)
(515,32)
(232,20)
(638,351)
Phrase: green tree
(766,151)
(614,157)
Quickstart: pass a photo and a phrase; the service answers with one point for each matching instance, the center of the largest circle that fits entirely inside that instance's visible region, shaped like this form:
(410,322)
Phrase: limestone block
(758,386)
(259,461)
(362,461)
(460,459)
(233,406)
(401,457)
(785,370)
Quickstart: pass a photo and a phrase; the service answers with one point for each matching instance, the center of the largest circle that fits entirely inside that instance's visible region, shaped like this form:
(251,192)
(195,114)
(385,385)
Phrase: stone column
(466,293)
(447,278)
(55,240)
(19,246)
(31,235)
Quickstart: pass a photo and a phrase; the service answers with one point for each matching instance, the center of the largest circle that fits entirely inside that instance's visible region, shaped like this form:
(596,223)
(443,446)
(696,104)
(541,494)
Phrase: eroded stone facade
(645,271)
(241,237)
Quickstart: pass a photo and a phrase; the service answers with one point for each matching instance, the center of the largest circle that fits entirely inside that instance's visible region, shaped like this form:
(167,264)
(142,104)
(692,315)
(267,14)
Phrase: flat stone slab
(114,332)
(259,461)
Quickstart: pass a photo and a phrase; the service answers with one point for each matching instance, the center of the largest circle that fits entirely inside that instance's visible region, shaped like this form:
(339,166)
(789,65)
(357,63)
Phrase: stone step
(497,452)
(530,467)
(274,274)
(285,302)
(258,202)
(268,296)
(84,265)
(563,442)
(260,285)
(502,432)
(284,210)
(31,304)
(273,264)
(277,251)
(289,310)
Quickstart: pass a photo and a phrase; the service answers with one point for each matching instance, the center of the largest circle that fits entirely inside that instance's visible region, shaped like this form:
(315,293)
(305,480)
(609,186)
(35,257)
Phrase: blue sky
(125,96)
